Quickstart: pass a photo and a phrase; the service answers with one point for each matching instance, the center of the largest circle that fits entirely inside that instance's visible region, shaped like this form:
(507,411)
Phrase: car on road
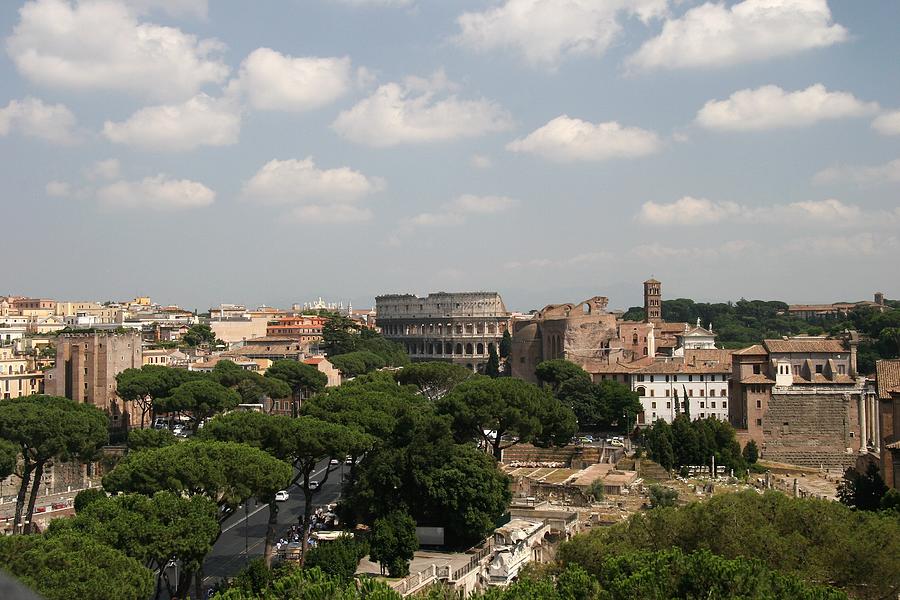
(313,485)
(334,462)
(348,460)
(281,496)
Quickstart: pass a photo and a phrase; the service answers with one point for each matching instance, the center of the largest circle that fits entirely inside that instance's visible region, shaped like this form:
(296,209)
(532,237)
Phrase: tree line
(739,324)
(412,437)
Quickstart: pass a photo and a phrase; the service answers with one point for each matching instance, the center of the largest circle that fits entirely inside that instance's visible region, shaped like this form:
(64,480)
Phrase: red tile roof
(803,346)
(887,377)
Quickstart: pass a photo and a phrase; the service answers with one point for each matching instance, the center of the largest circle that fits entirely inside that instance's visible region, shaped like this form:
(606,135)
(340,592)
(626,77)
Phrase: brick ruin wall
(810,430)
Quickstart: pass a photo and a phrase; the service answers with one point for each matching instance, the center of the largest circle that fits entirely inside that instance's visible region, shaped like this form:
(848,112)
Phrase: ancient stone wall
(810,429)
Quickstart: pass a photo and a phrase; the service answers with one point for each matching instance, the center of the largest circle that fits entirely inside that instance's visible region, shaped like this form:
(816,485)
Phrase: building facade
(801,400)
(86,369)
(455,327)
(305,328)
(18,375)
(887,438)
(584,333)
(696,384)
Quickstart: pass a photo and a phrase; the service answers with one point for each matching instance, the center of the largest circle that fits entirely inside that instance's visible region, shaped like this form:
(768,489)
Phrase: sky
(551,150)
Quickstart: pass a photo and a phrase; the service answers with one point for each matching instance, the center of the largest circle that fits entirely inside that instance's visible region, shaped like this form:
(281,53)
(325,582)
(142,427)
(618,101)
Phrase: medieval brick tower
(652,301)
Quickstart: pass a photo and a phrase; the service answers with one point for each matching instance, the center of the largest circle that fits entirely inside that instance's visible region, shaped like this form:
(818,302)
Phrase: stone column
(876,414)
(862,422)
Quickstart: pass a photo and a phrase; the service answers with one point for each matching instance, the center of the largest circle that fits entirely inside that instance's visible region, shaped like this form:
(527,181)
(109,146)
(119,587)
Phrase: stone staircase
(813,458)
(648,469)
(572,456)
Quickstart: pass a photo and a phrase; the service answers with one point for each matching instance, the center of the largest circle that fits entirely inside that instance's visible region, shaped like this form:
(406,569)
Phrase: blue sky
(270,152)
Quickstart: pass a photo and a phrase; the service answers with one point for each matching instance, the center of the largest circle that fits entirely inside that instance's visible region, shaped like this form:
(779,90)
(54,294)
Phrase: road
(228,556)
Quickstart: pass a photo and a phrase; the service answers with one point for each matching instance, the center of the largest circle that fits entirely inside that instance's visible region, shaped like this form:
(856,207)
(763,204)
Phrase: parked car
(281,496)
(314,485)
(334,462)
(348,460)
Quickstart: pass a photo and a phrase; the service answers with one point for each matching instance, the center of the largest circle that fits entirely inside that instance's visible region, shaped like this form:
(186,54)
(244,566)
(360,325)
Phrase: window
(640,377)
(651,379)
(841,369)
(759,404)
(653,405)
(818,368)
(690,377)
(701,378)
(724,404)
(712,404)
(759,422)
(702,392)
(703,405)
(652,392)
(702,415)
(668,405)
(724,393)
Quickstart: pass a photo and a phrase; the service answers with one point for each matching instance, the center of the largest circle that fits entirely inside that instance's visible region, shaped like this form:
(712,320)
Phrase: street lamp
(246,527)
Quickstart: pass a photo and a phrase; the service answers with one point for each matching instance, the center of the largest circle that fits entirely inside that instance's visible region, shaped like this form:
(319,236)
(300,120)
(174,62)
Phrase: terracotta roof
(708,354)
(672,327)
(753,350)
(801,345)
(821,379)
(887,377)
(314,360)
(756,379)
(679,366)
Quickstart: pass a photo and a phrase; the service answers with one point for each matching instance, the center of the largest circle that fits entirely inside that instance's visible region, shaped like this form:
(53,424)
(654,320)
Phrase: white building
(700,379)
(695,338)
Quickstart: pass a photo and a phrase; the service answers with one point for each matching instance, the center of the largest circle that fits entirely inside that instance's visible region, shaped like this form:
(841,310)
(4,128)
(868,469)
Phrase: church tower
(652,301)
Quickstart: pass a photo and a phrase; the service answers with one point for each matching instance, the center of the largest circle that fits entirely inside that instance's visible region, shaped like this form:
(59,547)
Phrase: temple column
(876,442)
(862,422)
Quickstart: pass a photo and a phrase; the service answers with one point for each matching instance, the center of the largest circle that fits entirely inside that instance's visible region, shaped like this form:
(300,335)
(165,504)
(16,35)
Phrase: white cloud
(661,252)
(321,196)
(375,2)
(329,214)
(864,175)
(481,161)
(96,45)
(770,107)
(198,9)
(439,219)
(482,205)
(413,112)
(863,244)
(544,32)
(565,139)
(700,211)
(273,81)
(717,35)
(32,117)
(156,193)
(57,189)
(456,212)
(578,260)
(201,121)
(888,123)
(687,211)
(103,169)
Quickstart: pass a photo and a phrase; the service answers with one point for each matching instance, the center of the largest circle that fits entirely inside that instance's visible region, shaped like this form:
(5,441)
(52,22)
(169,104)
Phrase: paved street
(228,555)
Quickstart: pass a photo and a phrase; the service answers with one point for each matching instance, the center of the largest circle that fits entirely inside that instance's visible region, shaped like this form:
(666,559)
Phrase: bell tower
(652,301)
